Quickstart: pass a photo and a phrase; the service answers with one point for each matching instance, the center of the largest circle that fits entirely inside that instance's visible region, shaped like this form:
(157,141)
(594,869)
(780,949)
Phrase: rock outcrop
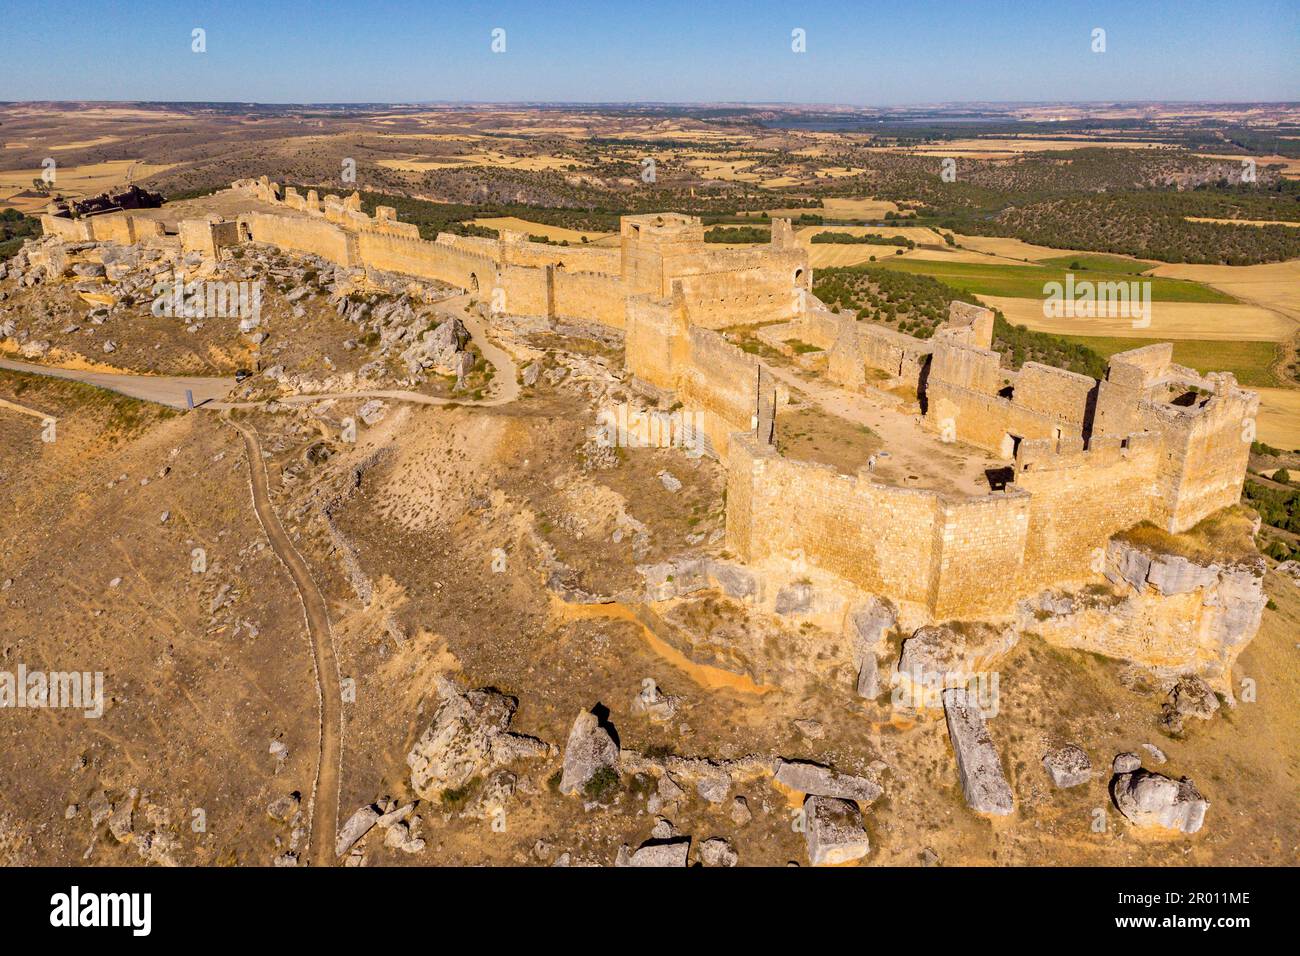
(870,626)
(1167,612)
(469,737)
(590,748)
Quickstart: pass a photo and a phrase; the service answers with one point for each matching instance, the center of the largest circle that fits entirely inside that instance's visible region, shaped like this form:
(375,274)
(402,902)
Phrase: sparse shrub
(604,783)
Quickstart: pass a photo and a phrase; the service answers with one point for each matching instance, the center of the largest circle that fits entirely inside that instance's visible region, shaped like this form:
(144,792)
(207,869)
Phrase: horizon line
(792,104)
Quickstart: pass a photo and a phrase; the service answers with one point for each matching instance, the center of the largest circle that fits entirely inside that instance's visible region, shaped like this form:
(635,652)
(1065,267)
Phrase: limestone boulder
(982,780)
(1126,763)
(121,824)
(714,787)
(1149,799)
(469,737)
(356,827)
(732,580)
(946,655)
(437,349)
(869,684)
(834,831)
(871,624)
(869,629)
(718,852)
(372,412)
(814,779)
(590,748)
(1068,766)
(672,852)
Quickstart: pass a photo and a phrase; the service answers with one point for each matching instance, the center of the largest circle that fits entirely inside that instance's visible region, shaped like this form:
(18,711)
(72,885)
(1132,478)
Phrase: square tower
(644,241)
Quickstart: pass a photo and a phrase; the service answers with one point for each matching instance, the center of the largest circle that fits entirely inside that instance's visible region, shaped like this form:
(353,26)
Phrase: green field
(1026,282)
(1094,262)
(1249,361)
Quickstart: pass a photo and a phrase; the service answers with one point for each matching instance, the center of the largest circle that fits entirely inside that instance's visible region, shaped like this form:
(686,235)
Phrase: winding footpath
(329,692)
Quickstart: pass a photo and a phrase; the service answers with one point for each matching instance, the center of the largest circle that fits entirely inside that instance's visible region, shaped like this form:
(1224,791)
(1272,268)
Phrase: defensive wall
(516,275)
(1151,441)
(1074,477)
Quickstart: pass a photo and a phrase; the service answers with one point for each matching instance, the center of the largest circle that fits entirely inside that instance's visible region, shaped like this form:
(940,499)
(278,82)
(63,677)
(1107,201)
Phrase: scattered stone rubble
(397,821)
(134,820)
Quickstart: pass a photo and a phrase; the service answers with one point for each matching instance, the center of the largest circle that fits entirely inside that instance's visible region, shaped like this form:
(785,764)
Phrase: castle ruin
(1079,460)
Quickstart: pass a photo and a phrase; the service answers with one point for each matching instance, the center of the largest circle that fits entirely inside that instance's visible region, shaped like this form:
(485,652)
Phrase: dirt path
(325,795)
(506,381)
(163,389)
(171,390)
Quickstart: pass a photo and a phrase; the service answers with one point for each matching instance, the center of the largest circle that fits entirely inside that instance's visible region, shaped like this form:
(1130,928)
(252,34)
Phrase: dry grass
(1169,320)
(1225,535)
(1279,417)
(75,182)
(552,233)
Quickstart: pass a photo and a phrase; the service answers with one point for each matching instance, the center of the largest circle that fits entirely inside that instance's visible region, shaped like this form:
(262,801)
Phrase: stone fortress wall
(522,277)
(1085,459)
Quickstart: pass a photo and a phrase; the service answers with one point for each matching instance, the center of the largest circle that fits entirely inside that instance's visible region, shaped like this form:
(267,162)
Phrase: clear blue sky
(865,52)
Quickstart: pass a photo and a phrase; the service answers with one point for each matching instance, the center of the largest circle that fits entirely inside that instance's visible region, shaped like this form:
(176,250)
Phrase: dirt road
(208,392)
(162,389)
(325,796)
